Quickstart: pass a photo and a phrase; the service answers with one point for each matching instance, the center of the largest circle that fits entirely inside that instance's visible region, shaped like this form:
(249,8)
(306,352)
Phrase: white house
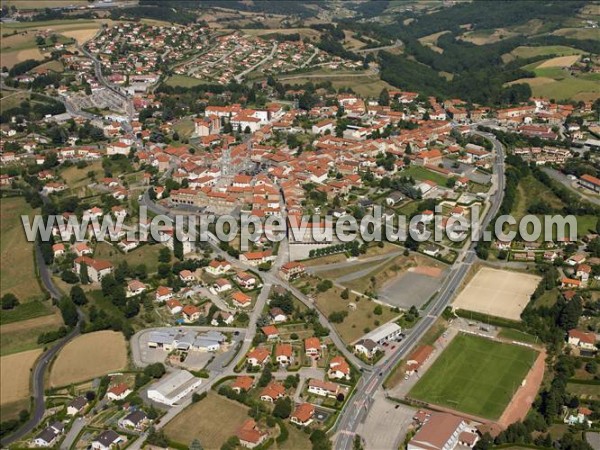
(118,392)
(108,440)
(323,388)
(76,406)
(218,267)
(366,347)
(47,437)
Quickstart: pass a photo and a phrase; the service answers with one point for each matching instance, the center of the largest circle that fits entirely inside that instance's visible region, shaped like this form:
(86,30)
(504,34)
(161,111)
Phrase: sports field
(476,376)
(500,293)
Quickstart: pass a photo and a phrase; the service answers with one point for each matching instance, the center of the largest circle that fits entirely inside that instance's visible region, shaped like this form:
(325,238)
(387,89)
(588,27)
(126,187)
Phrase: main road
(359,405)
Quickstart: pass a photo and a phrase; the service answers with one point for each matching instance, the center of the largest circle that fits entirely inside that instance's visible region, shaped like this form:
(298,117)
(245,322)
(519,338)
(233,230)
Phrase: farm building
(173,387)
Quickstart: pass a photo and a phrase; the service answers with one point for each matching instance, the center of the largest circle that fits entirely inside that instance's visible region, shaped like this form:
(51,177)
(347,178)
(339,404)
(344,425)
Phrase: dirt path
(523,399)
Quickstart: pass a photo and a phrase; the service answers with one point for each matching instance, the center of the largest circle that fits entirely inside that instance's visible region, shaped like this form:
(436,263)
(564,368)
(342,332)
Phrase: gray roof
(136,417)
(175,382)
(47,435)
(107,437)
(161,337)
(205,343)
(383,331)
(213,336)
(78,402)
(368,344)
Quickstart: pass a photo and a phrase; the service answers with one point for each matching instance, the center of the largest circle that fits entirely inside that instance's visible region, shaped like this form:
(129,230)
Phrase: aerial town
(473,324)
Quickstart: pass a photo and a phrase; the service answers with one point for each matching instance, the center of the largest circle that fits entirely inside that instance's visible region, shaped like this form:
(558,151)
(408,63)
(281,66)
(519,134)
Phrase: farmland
(18,277)
(529,52)
(89,356)
(500,370)
(212,421)
(20,41)
(36,4)
(14,389)
(20,336)
(554,81)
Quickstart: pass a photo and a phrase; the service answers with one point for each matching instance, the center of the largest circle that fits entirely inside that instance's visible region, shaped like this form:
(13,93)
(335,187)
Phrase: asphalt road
(565,181)
(272,280)
(37,376)
(361,403)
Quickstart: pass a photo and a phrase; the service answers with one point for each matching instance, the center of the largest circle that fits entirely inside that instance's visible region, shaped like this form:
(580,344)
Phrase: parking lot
(386,424)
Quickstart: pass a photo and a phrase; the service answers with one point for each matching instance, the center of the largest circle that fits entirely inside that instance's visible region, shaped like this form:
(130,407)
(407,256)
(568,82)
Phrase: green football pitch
(475,375)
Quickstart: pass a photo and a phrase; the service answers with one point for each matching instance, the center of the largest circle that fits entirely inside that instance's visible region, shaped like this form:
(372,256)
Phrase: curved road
(37,374)
(360,404)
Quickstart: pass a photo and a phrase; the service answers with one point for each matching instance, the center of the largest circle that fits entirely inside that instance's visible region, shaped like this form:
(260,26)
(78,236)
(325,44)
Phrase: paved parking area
(386,425)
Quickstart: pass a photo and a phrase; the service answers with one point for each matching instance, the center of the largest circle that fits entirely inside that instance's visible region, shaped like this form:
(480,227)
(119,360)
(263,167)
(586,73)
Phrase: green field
(559,84)
(475,375)
(516,335)
(183,81)
(145,254)
(559,50)
(25,311)
(422,174)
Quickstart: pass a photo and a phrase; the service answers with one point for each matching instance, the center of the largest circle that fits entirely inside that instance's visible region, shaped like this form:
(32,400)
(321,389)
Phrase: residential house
(47,437)
(312,346)
(108,440)
(323,388)
(136,420)
(76,405)
(292,270)
(190,313)
(303,414)
(284,354)
(258,356)
(245,279)
(277,315)
(257,258)
(186,276)
(582,340)
(216,267)
(249,434)
(118,392)
(242,383)
(366,347)
(272,392)
(339,369)
(241,300)
(221,285)
(163,293)
(96,268)
(271,332)
(135,287)
(174,306)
